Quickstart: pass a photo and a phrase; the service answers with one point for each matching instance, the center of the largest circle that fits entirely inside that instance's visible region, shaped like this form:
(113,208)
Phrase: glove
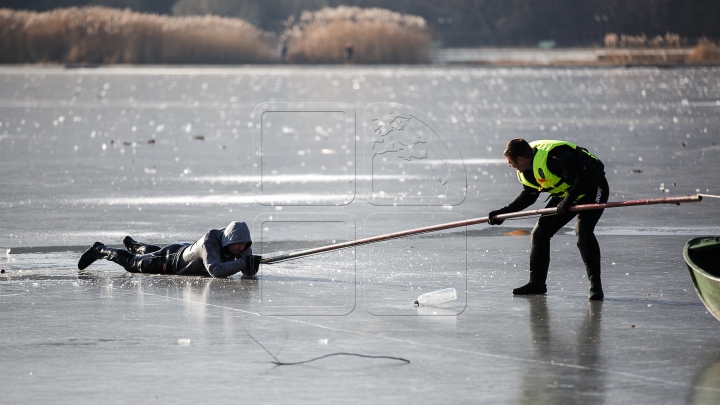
(493,221)
(563,206)
(252,265)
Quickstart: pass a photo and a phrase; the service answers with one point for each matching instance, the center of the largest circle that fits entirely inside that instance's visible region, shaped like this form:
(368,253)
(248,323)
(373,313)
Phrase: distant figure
(283,51)
(348,52)
(219,253)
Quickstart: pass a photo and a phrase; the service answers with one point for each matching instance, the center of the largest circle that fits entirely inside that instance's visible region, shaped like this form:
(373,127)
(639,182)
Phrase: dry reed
(704,52)
(639,50)
(669,40)
(105,35)
(377,36)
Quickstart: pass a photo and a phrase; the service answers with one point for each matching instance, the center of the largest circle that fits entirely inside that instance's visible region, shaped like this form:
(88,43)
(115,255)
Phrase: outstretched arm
(526,198)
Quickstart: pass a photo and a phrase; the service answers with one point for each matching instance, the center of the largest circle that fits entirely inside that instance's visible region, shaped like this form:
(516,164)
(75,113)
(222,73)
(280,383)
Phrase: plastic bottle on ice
(437,297)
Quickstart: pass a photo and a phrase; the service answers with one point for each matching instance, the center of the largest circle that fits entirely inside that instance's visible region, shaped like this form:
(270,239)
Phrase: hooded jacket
(210,256)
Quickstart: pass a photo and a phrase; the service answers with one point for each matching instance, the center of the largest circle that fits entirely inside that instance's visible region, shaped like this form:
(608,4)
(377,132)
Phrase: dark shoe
(132,245)
(530,289)
(139,248)
(128,242)
(596,293)
(90,256)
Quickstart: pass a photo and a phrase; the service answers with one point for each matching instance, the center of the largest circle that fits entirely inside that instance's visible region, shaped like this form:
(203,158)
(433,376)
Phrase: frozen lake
(309,156)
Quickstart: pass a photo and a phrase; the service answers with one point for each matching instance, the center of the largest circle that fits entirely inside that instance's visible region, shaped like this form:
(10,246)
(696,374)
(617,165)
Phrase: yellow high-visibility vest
(546,180)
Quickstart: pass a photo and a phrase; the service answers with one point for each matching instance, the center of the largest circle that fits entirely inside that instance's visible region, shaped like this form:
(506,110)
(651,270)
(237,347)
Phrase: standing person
(283,51)
(571,175)
(348,52)
(219,253)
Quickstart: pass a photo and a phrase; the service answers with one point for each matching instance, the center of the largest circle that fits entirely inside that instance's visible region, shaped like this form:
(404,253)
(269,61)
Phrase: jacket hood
(236,232)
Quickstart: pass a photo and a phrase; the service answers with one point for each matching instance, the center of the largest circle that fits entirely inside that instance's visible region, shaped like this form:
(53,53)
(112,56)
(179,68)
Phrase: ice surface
(164,154)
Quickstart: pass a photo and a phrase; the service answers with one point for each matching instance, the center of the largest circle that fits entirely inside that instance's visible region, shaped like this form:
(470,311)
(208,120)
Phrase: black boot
(530,289)
(596,291)
(536,285)
(139,248)
(90,256)
(538,276)
(539,258)
(133,246)
(122,257)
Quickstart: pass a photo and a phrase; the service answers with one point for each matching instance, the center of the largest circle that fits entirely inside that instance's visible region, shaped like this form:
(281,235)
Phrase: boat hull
(702,256)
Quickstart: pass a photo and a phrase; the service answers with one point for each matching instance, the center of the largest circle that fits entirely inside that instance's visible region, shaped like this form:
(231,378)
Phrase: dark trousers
(587,243)
(156,260)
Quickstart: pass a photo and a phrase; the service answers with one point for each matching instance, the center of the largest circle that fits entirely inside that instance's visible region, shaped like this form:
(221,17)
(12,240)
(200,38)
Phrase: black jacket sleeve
(526,198)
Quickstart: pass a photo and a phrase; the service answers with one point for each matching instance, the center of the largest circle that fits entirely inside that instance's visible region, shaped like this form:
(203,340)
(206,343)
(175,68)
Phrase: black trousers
(587,243)
(156,260)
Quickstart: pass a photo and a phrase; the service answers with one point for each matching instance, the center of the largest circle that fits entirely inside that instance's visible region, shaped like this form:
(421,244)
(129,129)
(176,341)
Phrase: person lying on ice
(219,253)
(571,175)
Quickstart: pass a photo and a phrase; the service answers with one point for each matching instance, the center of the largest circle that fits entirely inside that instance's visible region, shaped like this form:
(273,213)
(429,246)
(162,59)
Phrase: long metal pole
(475,221)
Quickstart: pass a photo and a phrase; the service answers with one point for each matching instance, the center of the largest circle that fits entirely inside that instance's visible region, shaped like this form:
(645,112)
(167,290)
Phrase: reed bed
(105,35)
(376,36)
(669,40)
(705,52)
(669,49)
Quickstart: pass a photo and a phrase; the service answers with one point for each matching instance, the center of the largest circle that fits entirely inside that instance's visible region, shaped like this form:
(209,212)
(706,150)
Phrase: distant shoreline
(565,57)
(490,57)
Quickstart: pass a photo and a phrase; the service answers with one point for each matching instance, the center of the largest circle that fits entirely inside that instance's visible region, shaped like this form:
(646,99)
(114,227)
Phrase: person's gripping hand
(564,206)
(252,265)
(492,220)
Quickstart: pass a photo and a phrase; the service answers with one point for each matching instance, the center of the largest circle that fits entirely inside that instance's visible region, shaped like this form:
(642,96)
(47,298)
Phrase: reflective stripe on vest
(548,181)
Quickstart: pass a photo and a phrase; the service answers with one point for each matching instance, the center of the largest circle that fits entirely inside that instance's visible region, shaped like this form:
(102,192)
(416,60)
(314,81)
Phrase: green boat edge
(707,285)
